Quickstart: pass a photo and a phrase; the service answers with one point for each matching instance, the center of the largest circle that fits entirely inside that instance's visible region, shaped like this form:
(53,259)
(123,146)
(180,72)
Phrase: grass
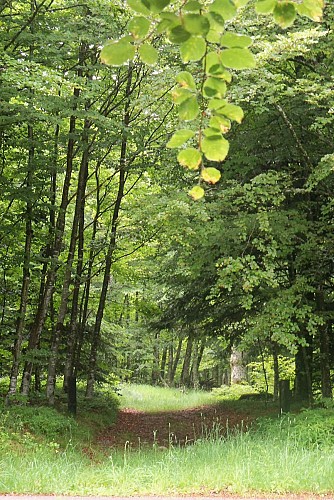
(152,399)
(293,454)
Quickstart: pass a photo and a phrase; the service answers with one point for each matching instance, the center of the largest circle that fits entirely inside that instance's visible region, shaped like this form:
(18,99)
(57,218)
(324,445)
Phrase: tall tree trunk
(238,366)
(44,302)
(276,370)
(163,362)
(73,359)
(56,249)
(79,209)
(326,386)
(156,356)
(195,365)
(303,372)
(26,270)
(176,358)
(111,247)
(185,374)
(170,380)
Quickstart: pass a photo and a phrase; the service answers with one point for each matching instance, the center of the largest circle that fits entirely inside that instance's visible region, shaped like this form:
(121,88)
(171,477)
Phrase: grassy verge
(43,451)
(151,399)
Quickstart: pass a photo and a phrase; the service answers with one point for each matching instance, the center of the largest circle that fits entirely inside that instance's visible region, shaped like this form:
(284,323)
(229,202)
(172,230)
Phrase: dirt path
(136,428)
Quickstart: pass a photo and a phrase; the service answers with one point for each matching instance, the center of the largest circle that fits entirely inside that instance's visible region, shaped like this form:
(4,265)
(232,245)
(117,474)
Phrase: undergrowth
(46,451)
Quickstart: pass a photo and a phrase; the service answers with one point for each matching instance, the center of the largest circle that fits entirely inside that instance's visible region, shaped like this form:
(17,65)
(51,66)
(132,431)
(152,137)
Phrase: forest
(124,260)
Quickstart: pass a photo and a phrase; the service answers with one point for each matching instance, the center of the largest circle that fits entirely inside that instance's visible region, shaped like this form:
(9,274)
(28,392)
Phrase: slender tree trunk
(185,374)
(73,361)
(26,271)
(56,249)
(276,371)
(163,362)
(79,209)
(195,365)
(170,379)
(111,247)
(326,386)
(155,367)
(176,358)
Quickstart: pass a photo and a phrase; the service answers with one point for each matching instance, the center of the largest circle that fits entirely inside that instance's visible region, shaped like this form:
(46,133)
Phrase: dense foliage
(109,270)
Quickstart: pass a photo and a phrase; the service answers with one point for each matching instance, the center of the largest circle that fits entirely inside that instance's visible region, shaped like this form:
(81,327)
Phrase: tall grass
(293,454)
(274,460)
(153,399)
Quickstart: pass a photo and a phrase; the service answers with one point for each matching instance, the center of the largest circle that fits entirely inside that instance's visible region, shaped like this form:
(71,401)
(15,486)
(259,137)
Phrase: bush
(308,429)
(40,421)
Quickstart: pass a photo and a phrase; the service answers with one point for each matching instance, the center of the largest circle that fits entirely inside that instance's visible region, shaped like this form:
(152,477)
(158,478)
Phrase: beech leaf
(210,175)
(197,192)
(190,158)
(215,148)
(237,58)
(148,54)
(179,138)
(193,49)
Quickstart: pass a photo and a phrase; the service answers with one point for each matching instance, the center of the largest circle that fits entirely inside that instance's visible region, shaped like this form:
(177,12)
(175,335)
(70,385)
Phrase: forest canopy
(110,114)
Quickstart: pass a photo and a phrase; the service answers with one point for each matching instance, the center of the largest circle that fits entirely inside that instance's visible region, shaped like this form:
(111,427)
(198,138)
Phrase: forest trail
(135,428)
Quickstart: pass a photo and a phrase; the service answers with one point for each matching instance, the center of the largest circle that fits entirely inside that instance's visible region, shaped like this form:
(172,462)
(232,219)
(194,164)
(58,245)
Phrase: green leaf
(179,138)
(214,67)
(232,112)
(312,9)
(190,158)
(225,8)
(192,6)
(210,132)
(139,26)
(215,148)
(220,123)
(189,109)
(240,3)
(156,6)
(217,22)
(265,6)
(178,35)
(214,87)
(213,36)
(193,49)
(234,40)
(196,24)
(216,104)
(168,21)
(180,94)
(148,54)
(210,175)
(138,6)
(238,58)
(284,14)
(186,80)
(117,53)
(197,192)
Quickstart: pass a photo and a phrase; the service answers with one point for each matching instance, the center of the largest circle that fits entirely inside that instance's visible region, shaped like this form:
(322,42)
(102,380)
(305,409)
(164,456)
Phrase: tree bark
(176,358)
(303,370)
(238,366)
(44,301)
(326,385)
(276,371)
(79,210)
(111,247)
(25,272)
(185,374)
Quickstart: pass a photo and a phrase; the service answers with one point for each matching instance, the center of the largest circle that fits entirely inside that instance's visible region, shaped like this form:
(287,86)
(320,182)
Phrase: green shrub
(40,421)
(308,429)
(233,391)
